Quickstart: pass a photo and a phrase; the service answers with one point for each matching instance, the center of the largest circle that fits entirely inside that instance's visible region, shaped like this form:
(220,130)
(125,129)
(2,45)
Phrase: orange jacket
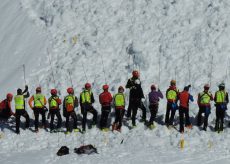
(32,99)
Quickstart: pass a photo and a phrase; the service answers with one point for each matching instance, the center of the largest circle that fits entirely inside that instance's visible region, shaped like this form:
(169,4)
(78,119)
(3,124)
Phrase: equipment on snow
(86,149)
(64,150)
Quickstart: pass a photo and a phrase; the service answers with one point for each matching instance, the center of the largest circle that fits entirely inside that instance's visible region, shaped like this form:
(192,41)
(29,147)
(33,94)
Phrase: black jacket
(136,91)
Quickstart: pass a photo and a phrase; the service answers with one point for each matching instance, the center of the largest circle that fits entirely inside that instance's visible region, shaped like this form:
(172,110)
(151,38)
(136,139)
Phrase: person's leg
(142,107)
(36,117)
(168,109)
(94,112)
(187,119)
(58,114)
(199,116)
(134,113)
(18,115)
(52,114)
(74,117)
(67,121)
(27,117)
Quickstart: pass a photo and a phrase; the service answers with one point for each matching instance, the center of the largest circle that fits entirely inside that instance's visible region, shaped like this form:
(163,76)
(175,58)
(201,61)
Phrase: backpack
(64,150)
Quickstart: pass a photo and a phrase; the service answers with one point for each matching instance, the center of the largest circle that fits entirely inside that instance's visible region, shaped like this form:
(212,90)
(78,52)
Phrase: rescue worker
(203,102)
(154,98)
(20,110)
(5,107)
(135,98)
(69,104)
(86,101)
(54,110)
(172,98)
(38,107)
(221,100)
(184,98)
(119,103)
(105,99)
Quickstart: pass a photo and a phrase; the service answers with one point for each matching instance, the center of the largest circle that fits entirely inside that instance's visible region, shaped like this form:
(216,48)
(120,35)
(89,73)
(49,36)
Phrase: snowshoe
(76,130)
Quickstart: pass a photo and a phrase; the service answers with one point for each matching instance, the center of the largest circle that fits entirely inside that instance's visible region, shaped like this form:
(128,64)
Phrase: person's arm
(227,99)
(25,90)
(30,102)
(45,101)
(160,94)
(100,101)
(191,98)
(11,112)
(76,104)
(26,95)
(215,98)
(92,98)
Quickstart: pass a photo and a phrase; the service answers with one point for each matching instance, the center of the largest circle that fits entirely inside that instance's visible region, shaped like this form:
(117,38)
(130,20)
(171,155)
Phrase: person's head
(153,87)
(221,86)
(135,74)
(38,90)
(70,90)
(105,87)
(53,92)
(186,88)
(87,86)
(173,82)
(19,91)
(206,87)
(121,89)
(9,96)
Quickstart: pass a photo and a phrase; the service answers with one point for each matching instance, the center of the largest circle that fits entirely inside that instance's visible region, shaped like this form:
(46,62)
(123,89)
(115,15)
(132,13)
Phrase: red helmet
(53,91)
(87,86)
(153,87)
(38,89)
(70,90)
(121,89)
(135,74)
(9,96)
(105,87)
(206,86)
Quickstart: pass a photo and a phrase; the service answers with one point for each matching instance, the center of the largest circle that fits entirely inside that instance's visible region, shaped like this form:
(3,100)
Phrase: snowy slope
(103,41)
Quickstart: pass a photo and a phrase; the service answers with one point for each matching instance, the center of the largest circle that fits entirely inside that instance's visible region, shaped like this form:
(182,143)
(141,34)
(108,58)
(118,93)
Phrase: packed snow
(102,42)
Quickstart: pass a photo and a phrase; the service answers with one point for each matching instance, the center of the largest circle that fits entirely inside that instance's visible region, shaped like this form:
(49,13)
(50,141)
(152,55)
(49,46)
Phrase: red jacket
(105,98)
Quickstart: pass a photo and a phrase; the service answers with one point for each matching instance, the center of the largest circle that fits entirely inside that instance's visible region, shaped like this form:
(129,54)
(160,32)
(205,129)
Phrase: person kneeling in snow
(154,103)
(5,107)
(119,102)
(184,98)
(105,99)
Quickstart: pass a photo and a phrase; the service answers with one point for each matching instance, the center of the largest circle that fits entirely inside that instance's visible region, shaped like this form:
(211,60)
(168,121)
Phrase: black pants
(105,110)
(119,114)
(220,114)
(153,110)
(18,115)
(42,112)
(136,104)
(169,119)
(53,113)
(206,111)
(5,114)
(184,113)
(85,109)
(74,117)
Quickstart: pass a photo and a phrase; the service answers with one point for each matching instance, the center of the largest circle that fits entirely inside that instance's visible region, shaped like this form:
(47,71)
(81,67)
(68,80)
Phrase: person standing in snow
(184,98)
(54,109)
(135,98)
(203,102)
(154,98)
(86,101)
(221,100)
(119,103)
(39,107)
(5,107)
(69,104)
(172,98)
(105,99)
(19,101)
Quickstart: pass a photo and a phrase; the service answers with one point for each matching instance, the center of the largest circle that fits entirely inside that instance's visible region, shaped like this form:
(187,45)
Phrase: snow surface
(102,41)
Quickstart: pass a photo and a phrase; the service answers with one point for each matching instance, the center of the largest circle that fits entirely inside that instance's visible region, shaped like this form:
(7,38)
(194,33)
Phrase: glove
(26,87)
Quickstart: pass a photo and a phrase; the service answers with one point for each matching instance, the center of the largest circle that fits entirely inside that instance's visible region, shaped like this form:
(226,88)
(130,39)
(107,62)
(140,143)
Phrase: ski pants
(184,113)
(37,112)
(73,115)
(134,104)
(105,110)
(18,115)
(85,109)
(169,119)
(220,114)
(153,108)
(53,113)
(206,111)
(119,114)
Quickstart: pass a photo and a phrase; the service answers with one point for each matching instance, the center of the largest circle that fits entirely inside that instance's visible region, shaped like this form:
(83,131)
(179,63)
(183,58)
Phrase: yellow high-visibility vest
(119,99)
(19,102)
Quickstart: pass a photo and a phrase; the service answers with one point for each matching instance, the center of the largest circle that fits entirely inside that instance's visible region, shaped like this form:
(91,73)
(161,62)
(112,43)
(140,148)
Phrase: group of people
(176,100)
